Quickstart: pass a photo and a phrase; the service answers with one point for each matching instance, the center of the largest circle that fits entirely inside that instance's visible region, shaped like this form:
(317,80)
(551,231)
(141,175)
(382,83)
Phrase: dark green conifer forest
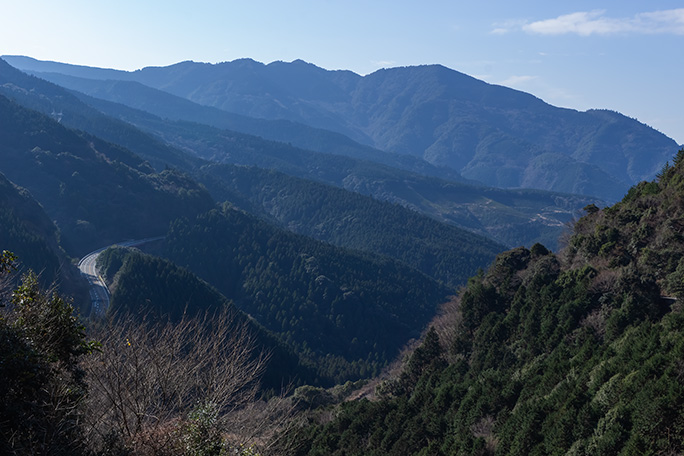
(346,312)
(577,353)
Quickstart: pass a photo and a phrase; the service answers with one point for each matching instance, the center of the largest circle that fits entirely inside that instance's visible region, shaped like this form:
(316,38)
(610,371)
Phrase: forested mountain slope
(517,217)
(576,353)
(148,288)
(347,219)
(512,217)
(69,110)
(27,232)
(59,104)
(348,313)
(168,106)
(489,133)
(97,192)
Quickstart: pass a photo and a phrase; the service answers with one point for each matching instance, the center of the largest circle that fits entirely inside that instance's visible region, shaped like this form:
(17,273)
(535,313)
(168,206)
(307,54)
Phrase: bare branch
(148,376)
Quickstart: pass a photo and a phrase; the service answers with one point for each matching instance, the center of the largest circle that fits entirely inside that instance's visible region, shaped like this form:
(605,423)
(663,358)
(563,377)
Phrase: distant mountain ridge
(512,217)
(60,105)
(489,133)
(168,106)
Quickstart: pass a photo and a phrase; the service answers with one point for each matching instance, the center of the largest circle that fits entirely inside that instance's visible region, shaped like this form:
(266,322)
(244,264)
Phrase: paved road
(99,293)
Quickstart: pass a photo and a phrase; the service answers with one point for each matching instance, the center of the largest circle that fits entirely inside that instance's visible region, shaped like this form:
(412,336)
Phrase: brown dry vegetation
(165,388)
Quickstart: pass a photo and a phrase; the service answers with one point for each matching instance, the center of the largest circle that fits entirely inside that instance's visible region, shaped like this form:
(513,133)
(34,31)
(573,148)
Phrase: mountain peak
(489,133)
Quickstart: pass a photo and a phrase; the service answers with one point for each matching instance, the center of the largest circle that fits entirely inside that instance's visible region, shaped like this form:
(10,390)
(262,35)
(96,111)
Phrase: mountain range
(91,192)
(511,217)
(355,228)
(492,134)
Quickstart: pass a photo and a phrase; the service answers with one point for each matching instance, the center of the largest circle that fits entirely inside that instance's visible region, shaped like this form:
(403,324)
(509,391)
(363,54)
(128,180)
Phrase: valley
(408,262)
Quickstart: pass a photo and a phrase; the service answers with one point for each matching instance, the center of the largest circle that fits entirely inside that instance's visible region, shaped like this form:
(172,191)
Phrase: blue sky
(622,55)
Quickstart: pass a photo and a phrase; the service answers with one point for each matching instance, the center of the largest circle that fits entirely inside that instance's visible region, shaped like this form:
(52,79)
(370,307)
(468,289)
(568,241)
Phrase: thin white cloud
(586,23)
(582,23)
(501,28)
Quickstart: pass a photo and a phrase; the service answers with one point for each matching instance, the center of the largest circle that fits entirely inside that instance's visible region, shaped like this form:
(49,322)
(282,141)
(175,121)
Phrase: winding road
(99,293)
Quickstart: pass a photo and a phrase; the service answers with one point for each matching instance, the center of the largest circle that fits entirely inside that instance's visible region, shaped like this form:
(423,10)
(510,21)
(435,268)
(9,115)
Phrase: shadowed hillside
(346,312)
(97,192)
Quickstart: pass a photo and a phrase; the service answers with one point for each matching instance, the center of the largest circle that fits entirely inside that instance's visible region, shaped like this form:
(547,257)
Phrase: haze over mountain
(168,106)
(489,133)
(512,217)
(59,104)
(99,192)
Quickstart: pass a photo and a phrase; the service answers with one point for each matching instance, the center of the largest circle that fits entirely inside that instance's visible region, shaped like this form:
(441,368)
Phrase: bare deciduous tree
(149,377)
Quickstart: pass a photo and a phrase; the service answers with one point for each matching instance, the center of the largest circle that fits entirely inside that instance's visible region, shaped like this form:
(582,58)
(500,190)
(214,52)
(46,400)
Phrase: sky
(625,55)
